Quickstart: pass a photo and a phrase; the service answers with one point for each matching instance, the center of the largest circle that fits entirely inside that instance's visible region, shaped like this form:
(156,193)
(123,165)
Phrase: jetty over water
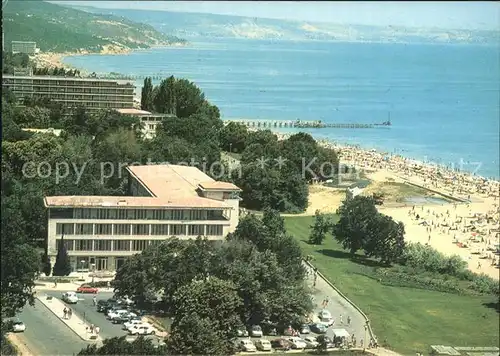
(303,124)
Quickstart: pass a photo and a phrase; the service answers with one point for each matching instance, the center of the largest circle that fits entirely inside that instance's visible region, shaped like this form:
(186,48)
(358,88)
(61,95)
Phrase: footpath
(75,323)
(341,308)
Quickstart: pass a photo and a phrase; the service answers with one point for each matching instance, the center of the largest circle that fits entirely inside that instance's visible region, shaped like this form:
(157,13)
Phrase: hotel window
(84,229)
(121,245)
(83,245)
(159,229)
(140,229)
(122,214)
(112,214)
(149,214)
(102,213)
(139,245)
(176,230)
(176,214)
(140,214)
(131,214)
(68,243)
(214,230)
(195,230)
(103,229)
(195,214)
(85,213)
(214,215)
(167,215)
(121,229)
(93,213)
(155,242)
(157,214)
(67,229)
(102,245)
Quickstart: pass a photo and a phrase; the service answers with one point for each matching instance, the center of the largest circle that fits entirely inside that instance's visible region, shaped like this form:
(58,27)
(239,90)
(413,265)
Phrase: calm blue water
(444,100)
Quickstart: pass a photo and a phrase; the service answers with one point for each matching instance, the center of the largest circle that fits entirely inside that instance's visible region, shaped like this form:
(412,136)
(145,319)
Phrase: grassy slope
(59,29)
(409,319)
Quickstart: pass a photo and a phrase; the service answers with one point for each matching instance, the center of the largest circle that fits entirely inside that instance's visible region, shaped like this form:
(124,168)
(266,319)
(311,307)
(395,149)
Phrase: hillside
(61,29)
(194,25)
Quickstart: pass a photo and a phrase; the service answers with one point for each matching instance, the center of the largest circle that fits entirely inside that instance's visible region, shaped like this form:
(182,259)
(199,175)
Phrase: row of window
(138,229)
(66,83)
(104,245)
(137,214)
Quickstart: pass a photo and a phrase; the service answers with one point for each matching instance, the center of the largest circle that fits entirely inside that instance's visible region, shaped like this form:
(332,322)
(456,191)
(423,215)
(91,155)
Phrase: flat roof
(52,77)
(170,186)
(133,111)
(131,202)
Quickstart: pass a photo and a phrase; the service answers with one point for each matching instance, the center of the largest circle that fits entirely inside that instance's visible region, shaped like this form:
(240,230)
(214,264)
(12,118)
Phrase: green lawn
(409,319)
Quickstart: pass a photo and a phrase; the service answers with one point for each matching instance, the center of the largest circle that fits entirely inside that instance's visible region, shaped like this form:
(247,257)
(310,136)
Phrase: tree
(205,317)
(233,137)
(45,264)
(120,346)
(147,95)
(355,218)
(62,267)
(386,240)
(319,229)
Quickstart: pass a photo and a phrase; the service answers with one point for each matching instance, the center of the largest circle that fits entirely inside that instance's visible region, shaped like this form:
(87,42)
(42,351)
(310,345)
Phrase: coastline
(467,227)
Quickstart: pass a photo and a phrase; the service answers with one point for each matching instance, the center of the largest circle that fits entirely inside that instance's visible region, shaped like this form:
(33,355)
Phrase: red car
(86,289)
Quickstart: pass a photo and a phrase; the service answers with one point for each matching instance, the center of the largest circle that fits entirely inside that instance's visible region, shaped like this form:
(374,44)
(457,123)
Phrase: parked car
(142,329)
(114,313)
(70,297)
(122,318)
(242,332)
(18,326)
(247,346)
(256,331)
(297,343)
(318,328)
(125,300)
(263,345)
(325,317)
(311,342)
(85,288)
(102,305)
(127,325)
(304,329)
(327,340)
(281,344)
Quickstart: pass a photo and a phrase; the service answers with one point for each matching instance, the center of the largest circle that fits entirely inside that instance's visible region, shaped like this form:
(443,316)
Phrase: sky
(449,15)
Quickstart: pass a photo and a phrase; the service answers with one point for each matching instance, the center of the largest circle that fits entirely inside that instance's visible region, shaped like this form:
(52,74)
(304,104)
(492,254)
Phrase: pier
(302,124)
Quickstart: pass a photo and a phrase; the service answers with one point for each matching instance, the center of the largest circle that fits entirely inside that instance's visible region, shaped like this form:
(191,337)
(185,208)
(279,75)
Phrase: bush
(99,284)
(485,285)
(57,279)
(425,257)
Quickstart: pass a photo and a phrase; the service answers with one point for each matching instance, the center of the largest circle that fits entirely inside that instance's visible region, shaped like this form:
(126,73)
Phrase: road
(46,334)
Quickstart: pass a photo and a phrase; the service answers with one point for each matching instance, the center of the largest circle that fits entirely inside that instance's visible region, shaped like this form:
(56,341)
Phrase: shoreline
(467,227)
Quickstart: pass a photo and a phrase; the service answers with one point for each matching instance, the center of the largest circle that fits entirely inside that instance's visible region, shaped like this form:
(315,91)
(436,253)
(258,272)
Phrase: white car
(325,317)
(132,323)
(297,343)
(311,342)
(256,331)
(70,297)
(142,329)
(247,346)
(18,326)
(263,345)
(114,313)
(125,300)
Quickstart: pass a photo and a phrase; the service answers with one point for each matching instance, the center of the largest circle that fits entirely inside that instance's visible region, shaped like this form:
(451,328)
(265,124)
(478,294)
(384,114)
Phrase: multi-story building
(149,120)
(27,47)
(100,232)
(91,93)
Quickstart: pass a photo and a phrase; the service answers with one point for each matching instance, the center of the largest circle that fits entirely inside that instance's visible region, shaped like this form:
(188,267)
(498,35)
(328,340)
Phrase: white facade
(165,201)
(149,121)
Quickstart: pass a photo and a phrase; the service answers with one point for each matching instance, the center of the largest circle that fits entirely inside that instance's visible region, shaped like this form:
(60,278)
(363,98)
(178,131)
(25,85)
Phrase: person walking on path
(349,321)
(70,313)
(94,300)
(327,301)
(341,319)
(55,284)
(65,311)
(97,330)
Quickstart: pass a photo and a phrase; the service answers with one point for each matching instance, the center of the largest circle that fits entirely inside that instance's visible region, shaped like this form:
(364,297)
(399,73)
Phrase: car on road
(311,342)
(325,317)
(127,325)
(85,288)
(263,345)
(304,329)
(70,297)
(281,344)
(142,329)
(256,331)
(247,346)
(17,326)
(318,328)
(297,343)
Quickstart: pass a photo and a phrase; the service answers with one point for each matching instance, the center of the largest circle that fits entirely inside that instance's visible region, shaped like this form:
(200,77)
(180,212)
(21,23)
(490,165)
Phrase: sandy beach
(464,221)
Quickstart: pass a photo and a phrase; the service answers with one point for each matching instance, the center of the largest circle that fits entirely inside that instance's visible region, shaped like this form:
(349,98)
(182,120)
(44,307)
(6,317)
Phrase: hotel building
(149,120)
(91,93)
(27,47)
(165,200)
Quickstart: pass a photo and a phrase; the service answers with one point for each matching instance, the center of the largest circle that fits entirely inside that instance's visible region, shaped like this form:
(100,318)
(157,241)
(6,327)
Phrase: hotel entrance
(102,264)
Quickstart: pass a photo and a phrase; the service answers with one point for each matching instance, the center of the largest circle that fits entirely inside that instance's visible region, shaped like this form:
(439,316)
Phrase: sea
(443,100)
